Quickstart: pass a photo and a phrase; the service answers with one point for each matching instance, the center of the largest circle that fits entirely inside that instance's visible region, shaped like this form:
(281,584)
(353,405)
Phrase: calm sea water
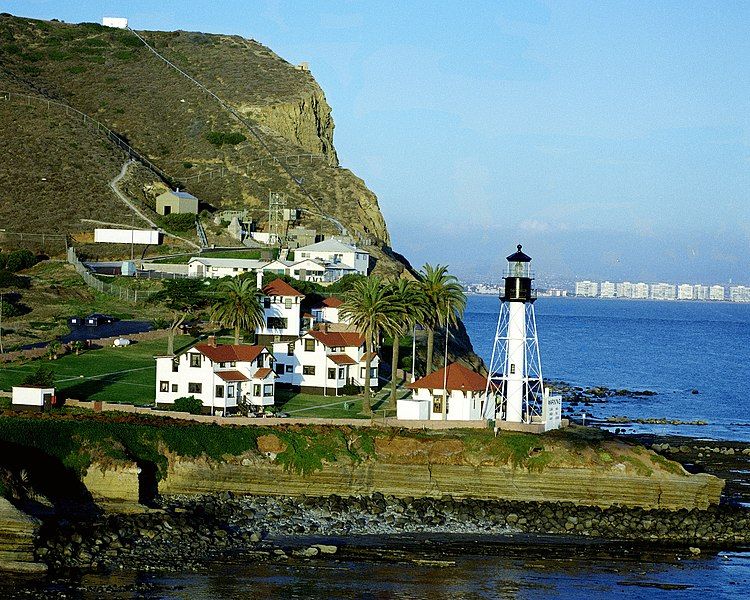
(671,348)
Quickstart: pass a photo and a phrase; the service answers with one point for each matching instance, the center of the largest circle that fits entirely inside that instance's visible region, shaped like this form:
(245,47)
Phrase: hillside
(112,76)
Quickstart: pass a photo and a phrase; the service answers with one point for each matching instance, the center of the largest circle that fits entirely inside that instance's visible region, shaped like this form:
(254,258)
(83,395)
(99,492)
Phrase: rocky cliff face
(306,122)
(17,532)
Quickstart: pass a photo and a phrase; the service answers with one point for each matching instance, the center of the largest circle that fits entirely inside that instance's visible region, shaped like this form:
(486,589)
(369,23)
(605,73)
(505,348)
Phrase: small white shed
(410,409)
(118,22)
(32,397)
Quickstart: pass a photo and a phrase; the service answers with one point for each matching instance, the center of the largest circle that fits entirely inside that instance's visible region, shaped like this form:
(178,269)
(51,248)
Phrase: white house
(323,362)
(463,389)
(304,270)
(282,311)
(222,376)
(339,257)
(34,398)
(223,267)
(327,311)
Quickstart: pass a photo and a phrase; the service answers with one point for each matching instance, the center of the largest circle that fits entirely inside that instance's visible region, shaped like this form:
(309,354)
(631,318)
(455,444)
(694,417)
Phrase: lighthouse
(515,373)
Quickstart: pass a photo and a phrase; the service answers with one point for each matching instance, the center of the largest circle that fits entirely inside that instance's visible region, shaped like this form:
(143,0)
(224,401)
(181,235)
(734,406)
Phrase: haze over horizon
(611,139)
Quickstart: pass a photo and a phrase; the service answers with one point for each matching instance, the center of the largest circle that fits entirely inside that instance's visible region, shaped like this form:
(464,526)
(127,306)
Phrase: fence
(38,241)
(110,289)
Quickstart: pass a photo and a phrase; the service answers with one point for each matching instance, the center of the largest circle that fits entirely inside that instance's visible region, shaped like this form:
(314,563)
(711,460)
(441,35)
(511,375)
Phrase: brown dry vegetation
(110,75)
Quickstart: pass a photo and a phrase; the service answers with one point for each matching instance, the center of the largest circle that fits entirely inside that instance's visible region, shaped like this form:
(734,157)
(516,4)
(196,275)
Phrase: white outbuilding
(463,391)
(34,398)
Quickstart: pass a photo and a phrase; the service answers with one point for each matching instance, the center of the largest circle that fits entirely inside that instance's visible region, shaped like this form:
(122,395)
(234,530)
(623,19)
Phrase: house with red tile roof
(322,361)
(327,311)
(226,378)
(462,389)
(284,320)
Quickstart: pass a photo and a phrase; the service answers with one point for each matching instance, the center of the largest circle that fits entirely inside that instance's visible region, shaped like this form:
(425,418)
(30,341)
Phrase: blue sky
(612,139)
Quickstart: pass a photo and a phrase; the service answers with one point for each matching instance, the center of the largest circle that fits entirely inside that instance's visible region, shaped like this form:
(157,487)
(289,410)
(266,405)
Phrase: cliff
(17,532)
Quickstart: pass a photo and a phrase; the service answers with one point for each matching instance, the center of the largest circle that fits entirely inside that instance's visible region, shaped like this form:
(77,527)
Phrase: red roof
(459,378)
(232,376)
(334,339)
(332,302)
(364,356)
(342,359)
(262,373)
(230,352)
(278,287)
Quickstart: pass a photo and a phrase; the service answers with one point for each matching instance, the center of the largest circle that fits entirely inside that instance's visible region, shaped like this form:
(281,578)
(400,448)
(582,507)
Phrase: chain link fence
(116,291)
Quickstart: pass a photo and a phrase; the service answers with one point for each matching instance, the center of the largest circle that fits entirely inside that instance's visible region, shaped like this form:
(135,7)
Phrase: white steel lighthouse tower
(515,373)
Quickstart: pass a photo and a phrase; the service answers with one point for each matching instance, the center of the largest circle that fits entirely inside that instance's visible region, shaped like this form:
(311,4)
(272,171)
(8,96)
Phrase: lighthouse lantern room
(515,372)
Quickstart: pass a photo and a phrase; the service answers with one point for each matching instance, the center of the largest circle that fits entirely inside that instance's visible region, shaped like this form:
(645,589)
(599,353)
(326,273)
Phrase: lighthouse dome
(518,256)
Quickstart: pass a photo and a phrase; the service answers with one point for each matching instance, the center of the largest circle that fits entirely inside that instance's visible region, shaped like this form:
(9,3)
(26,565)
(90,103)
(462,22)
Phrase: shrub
(188,404)
(350,389)
(178,222)
(219,138)
(18,260)
(44,376)
(9,280)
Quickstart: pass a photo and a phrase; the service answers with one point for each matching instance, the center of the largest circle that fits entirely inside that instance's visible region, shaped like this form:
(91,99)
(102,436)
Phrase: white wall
(461,407)
(118,22)
(409,409)
(127,236)
(284,307)
(30,396)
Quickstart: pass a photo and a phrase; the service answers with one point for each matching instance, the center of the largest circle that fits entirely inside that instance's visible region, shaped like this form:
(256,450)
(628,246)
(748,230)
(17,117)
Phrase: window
(266,302)
(219,391)
(276,323)
(361,372)
(195,360)
(222,365)
(287,303)
(175,365)
(233,363)
(175,387)
(512,369)
(259,361)
(437,404)
(341,373)
(308,370)
(279,368)
(268,389)
(309,345)
(195,388)
(290,349)
(230,391)
(373,372)
(289,368)
(331,373)
(163,386)
(256,389)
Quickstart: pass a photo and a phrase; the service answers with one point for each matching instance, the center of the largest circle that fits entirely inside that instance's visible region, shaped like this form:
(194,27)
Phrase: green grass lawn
(312,405)
(109,374)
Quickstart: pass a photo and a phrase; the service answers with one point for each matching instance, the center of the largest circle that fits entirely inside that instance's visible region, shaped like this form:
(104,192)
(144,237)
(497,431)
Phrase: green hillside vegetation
(107,73)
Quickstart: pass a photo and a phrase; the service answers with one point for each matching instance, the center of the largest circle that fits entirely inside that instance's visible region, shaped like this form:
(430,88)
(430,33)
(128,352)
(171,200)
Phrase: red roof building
(458,378)
(279,287)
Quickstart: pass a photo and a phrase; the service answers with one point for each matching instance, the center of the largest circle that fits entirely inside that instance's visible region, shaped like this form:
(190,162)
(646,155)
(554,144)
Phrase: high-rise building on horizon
(663,291)
(640,290)
(607,289)
(700,292)
(587,289)
(739,293)
(624,289)
(685,291)
(716,292)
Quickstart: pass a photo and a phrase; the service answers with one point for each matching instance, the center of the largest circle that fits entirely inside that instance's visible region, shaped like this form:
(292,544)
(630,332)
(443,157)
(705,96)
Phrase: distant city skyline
(611,139)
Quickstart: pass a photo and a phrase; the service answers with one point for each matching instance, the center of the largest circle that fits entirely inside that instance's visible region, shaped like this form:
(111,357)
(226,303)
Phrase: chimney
(212,341)
(259,279)
(324,327)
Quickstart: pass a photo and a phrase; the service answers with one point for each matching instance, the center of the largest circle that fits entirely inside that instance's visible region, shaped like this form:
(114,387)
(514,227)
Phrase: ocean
(671,348)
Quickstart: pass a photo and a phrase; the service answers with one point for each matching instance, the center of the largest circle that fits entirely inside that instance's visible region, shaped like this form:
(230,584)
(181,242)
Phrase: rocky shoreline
(186,532)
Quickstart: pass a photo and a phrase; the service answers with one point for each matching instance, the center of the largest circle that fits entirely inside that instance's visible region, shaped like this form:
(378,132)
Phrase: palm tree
(407,296)
(445,299)
(240,308)
(369,308)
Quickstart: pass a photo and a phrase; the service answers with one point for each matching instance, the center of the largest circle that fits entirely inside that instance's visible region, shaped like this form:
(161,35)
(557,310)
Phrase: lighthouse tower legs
(516,366)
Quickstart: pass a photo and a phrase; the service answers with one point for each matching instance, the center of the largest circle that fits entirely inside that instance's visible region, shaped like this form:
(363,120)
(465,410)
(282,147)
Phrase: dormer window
(233,363)
(222,365)
(195,360)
